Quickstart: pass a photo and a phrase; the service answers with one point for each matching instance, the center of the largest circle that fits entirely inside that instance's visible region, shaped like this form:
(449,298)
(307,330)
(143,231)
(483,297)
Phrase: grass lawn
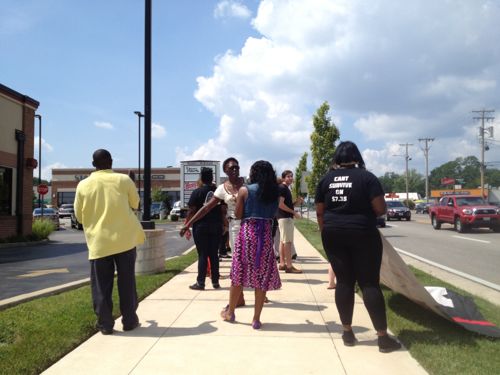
(35,334)
(440,346)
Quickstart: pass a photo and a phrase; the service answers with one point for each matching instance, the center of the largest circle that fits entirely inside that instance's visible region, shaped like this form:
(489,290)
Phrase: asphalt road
(476,253)
(62,260)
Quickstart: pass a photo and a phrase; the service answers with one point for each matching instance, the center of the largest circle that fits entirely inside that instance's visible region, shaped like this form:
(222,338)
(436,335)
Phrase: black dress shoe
(197,286)
(216,285)
(131,327)
(349,338)
(106,331)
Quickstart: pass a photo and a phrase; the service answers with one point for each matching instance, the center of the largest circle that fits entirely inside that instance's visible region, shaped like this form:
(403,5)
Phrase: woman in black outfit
(206,231)
(348,201)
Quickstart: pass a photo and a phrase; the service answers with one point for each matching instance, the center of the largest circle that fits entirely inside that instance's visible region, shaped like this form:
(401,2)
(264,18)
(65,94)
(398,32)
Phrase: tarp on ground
(462,310)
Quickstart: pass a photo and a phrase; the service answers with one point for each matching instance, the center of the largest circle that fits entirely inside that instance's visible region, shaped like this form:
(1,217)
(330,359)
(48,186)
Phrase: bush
(174,217)
(42,228)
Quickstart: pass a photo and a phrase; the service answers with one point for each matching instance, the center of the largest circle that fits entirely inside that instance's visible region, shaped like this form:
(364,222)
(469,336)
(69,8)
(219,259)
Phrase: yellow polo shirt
(103,205)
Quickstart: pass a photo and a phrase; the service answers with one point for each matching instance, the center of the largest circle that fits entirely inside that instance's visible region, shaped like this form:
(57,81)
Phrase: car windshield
(177,204)
(46,211)
(470,201)
(392,204)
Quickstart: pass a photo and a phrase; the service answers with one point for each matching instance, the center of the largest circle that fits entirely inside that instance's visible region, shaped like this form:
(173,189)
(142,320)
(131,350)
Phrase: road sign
(42,189)
(447,181)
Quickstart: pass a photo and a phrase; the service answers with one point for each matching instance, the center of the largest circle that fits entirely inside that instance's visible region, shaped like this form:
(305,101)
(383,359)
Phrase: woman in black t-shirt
(207,231)
(348,201)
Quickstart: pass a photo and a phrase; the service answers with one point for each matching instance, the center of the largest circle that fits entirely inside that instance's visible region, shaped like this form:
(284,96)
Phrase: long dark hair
(347,154)
(263,173)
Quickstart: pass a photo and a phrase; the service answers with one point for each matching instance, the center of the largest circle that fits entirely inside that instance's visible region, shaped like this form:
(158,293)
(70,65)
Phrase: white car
(176,209)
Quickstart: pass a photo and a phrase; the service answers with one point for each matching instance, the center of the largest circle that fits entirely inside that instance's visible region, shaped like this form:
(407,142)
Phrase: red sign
(447,181)
(42,189)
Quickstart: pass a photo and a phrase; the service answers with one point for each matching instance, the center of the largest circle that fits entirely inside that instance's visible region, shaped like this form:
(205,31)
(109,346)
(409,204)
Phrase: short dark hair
(348,153)
(226,162)
(206,175)
(286,173)
(101,159)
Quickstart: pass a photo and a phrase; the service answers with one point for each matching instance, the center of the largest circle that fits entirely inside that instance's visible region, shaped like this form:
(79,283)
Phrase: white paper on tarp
(396,275)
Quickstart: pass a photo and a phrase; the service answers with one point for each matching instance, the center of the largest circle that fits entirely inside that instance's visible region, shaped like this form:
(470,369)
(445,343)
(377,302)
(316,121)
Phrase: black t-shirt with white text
(201,196)
(347,195)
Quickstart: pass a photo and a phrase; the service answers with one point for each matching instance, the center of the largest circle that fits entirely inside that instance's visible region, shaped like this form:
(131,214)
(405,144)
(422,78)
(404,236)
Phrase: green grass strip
(440,346)
(36,334)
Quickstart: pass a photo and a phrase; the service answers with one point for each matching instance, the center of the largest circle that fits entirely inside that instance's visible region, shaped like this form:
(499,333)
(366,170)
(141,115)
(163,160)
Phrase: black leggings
(356,255)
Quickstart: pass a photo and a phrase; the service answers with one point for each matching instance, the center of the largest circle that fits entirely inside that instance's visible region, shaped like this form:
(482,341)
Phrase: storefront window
(5,191)
(65,197)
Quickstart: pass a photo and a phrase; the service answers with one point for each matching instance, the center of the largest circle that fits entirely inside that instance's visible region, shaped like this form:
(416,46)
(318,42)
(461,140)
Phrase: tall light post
(39,117)
(139,115)
(407,159)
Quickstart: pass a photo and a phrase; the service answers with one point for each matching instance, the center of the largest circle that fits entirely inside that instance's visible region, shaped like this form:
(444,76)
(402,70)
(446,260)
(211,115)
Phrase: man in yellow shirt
(104,205)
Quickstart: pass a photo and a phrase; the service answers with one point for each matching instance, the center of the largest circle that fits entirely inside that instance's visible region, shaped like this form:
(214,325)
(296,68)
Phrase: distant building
(17,116)
(402,196)
(64,182)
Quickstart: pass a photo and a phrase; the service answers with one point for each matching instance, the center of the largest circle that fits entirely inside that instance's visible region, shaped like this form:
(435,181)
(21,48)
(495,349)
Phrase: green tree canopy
(323,139)
(466,169)
(301,167)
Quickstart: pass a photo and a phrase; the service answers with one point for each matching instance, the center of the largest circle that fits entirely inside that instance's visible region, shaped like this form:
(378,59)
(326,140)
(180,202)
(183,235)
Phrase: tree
(466,169)
(323,139)
(302,167)
(157,195)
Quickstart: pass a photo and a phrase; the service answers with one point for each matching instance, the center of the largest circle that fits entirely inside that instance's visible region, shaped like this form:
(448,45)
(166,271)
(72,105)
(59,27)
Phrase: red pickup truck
(465,212)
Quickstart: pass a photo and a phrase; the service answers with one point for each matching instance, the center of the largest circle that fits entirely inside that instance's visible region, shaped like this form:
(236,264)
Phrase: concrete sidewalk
(182,333)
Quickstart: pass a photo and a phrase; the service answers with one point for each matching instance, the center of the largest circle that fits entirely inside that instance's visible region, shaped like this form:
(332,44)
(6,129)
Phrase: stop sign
(42,189)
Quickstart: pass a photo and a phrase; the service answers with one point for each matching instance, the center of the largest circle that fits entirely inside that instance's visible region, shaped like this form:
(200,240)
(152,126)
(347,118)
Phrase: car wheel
(80,227)
(408,218)
(496,229)
(435,223)
(459,227)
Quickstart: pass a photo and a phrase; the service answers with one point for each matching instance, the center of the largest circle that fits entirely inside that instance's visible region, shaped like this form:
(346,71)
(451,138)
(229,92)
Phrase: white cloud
(157,131)
(47,170)
(392,72)
(104,125)
(231,8)
(45,146)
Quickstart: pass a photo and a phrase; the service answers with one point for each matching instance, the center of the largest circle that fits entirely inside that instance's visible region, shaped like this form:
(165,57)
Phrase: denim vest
(254,208)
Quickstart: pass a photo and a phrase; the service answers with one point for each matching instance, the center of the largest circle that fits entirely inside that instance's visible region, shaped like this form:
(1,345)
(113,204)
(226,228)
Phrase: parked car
(176,209)
(75,223)
(422,208)
(65,210)
(397,210)
(465,212)
(48,214)
(158,210)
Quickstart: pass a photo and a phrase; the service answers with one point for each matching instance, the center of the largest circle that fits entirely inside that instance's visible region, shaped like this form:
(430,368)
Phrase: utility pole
(426,154)
(407,158)
(483,116)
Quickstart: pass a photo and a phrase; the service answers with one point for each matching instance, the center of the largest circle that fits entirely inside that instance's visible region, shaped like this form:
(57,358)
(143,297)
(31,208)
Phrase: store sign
(447,181)
(190,174)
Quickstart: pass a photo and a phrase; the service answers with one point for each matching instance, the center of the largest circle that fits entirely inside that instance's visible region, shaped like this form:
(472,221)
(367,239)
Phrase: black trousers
(356,255)
(207,238)
(223,243)
(102,272)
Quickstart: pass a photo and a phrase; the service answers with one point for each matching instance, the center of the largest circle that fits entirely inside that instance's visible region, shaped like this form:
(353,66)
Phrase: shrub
(42,228)
(174,217)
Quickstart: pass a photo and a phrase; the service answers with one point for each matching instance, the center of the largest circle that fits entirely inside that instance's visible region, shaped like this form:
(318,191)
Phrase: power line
(483,117)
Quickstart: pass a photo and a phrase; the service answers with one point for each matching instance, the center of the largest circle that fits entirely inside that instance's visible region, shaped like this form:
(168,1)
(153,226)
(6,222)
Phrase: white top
(228,198)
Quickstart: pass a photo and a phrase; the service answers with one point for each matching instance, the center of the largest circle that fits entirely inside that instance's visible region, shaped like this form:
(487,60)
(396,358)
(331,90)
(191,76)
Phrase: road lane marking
(471,239)
(451,270)
(42,273)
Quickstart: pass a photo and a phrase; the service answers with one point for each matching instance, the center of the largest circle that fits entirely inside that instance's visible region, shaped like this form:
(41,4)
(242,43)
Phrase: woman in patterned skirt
(254,265)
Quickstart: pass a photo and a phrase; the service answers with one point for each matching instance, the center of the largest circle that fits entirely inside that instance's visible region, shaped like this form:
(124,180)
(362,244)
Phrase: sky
(244,78)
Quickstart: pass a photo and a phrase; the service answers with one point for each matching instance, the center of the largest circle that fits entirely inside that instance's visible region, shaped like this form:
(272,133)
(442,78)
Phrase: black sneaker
(106,331)
(197,286)
(216,285)
(294,256)
(349,338)
(387,344)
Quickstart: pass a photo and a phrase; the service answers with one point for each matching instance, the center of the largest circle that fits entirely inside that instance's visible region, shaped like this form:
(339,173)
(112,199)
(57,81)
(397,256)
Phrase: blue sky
(243,78)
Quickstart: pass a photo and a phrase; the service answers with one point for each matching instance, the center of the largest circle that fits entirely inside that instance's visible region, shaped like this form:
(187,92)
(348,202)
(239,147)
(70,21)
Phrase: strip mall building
(17,117)
(64,182)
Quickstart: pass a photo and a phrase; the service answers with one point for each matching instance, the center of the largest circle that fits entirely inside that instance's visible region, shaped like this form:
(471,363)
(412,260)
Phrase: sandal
(224,314)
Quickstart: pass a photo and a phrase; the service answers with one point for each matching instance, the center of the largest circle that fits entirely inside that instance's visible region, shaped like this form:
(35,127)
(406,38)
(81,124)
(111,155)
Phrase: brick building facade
(17,117)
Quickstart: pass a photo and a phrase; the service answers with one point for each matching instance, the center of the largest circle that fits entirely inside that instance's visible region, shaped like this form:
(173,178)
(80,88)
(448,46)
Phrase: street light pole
(139,115)
(39,117)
